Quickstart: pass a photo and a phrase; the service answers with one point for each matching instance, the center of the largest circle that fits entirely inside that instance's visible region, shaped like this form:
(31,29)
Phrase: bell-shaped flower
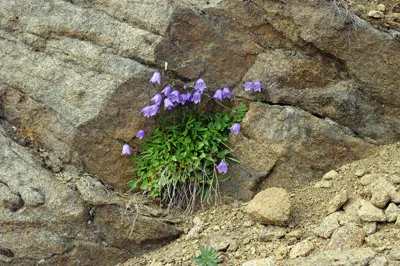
(183,98)
(126,149)
(226,93)
(257,85)
(168,104)
(196,98)
(248,86)
(150,110)
(200,86)
(156,78)
(235,128)
(140,134)
(157,99)
(167,90)
(174,96)
(218,95)
(222,167)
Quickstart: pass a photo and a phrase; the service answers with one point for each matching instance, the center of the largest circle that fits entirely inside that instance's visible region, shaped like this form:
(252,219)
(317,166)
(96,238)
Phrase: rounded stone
(271,206)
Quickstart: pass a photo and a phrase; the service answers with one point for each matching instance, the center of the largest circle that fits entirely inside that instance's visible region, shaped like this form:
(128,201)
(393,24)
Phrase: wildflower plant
(208,257)
(185,156)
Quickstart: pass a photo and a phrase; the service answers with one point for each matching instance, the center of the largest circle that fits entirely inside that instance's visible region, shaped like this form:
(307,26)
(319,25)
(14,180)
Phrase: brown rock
(346,237)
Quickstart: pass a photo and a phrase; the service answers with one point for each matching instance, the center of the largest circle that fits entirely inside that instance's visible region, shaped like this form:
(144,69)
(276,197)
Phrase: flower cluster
(173,97)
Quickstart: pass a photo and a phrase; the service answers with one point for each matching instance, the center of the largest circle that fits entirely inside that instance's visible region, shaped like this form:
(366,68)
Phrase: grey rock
(336,202)
(352,257)
(301,249)
(332,174)
(94,192)
(328,225)
(391,212)
(394,253)
(220,240)
(379,261)
(323,184)
(271,206)
(380,198)
(271,233)
(346,237)
(260,262)
(369,213)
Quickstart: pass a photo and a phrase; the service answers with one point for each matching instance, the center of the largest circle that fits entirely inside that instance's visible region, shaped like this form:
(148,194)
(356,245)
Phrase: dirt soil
(229,223)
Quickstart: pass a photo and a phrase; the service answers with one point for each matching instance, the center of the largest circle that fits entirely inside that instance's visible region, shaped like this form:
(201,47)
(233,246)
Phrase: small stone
(369,213)
(337,202)
(301,249)
(368,179)
(323,184)
(392,211)
(220,240)
(294,233)
(379,261)
(328,226)
(360,172)
(382,7)
(380,198)
(369,228)
(394,253)
(260,262)
(346,237)
(271,206)
(375,14)
(281,252)
(272,233)
(395,178)
(332,174)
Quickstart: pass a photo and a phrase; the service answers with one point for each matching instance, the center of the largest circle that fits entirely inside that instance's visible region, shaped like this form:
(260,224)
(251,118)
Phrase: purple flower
(185,87)
(140,134)
(157,99)
(168,105)
(196,97)
(174,96)
(150,110)
(156,78)
(167,90)
(126,149)
(235,128)
(200,86)
(248,86)
(183,98)
(226,93)
(218,95)
(257,85)
(222,167)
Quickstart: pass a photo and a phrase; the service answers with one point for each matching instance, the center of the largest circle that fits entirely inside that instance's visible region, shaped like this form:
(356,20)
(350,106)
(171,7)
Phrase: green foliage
(178,162)
(208,257)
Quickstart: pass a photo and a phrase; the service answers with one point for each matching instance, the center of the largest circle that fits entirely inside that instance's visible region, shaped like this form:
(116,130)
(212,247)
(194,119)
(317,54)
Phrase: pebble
(392,211)
(272,233)
(346,237)
(337,202)
(380,198)
(360,172)
(332,174)
(375,14)
(323,184)
(301,249)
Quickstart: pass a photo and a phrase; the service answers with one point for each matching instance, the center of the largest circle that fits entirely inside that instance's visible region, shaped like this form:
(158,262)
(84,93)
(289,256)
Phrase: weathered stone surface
(336,202)
(271,206)
(394,253)
(328,225)
(94,192)
(369,213)
(260,262)
(293,142)
(391,212)
(272,233)
(359,257)
(220,240)
(301,249)
(346,237)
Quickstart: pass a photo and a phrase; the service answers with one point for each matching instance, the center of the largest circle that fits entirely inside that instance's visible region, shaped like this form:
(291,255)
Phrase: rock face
(45,220)
(79,83)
